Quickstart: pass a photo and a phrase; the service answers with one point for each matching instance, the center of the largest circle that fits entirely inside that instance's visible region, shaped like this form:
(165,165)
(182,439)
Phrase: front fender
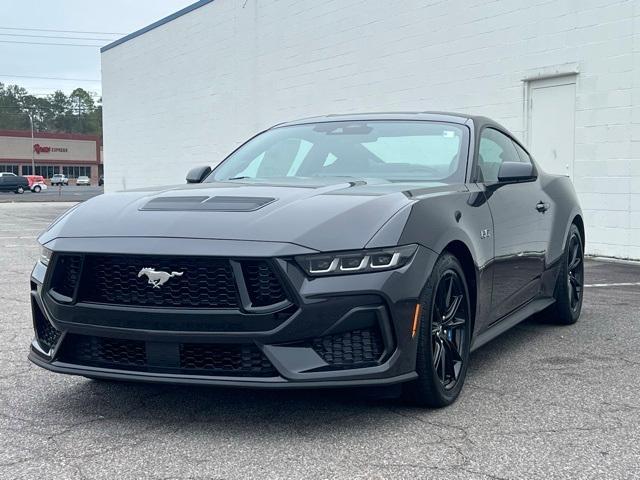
(436,221)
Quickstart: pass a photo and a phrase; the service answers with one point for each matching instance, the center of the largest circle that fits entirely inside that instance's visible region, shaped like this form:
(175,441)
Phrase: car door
(520,229)
(8,183)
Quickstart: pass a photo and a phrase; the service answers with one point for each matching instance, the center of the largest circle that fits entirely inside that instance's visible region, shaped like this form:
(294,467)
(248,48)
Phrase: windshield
(397,151)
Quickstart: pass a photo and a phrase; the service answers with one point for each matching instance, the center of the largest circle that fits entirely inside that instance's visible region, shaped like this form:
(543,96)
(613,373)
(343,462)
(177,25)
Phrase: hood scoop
(207,204)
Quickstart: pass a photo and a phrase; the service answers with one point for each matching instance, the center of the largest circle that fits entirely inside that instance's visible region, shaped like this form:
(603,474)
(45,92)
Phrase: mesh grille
(262,283)
(354,349)
(236,360)
(103,352)
(46,334)
(67,274)
(204,283)
(231,360)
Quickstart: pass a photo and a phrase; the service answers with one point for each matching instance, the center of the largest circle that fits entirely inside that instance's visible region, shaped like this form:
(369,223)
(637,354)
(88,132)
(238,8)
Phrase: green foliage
(76,113)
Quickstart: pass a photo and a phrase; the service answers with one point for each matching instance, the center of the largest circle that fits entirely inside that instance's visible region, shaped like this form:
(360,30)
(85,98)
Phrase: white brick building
(563,75)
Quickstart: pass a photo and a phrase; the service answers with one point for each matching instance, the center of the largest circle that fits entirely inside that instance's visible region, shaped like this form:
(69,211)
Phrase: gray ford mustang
(351,250)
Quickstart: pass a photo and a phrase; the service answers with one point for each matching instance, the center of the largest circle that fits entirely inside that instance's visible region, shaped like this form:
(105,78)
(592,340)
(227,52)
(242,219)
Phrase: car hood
(324,216)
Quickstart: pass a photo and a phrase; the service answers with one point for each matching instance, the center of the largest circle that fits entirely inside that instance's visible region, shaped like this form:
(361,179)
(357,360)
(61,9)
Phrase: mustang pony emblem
(157,279)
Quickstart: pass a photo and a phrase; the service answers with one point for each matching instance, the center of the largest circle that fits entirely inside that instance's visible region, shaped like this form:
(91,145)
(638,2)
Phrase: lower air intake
(104,352)
(225,360)
(354,349)
(46,334)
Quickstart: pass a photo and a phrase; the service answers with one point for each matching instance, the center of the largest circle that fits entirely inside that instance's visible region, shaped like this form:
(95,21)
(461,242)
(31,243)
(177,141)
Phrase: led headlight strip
(356,261)
(45,256)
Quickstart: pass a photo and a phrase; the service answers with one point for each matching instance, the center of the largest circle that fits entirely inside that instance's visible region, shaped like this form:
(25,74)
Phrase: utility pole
(33,162)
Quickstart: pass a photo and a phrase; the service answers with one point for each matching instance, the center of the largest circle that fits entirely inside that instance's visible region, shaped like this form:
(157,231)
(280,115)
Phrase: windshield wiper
(237,178)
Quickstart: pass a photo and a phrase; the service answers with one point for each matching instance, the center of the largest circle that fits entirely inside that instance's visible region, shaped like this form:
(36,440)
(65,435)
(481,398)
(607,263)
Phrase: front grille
(114,279)
(236,360)
(46,334)
(194,282)
(353,349)
(66,274)
(104,352)
(262,283)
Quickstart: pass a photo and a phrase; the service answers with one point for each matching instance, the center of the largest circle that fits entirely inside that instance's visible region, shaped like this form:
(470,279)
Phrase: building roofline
(157,24)
(51,135)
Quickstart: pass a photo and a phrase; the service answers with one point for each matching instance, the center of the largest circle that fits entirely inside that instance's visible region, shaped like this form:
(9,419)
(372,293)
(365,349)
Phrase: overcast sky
(19,60)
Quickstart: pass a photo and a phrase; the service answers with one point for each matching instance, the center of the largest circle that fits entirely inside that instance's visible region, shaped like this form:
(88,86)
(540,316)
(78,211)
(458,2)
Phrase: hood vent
(208,204)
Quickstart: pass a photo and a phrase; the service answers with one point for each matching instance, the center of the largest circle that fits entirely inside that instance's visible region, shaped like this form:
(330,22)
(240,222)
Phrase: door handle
(542,207)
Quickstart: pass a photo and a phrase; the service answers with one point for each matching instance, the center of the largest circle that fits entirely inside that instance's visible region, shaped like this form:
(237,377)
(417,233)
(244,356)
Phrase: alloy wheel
(448,328)
(575,276)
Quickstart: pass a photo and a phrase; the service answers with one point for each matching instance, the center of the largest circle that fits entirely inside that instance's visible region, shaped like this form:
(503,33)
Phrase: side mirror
(515,172)
(198,174)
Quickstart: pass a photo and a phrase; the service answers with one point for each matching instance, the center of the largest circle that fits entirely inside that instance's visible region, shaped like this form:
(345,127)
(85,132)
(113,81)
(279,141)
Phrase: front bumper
(296,343)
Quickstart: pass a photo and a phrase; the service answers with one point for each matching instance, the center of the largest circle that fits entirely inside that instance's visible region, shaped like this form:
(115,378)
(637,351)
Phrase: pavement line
(621,284)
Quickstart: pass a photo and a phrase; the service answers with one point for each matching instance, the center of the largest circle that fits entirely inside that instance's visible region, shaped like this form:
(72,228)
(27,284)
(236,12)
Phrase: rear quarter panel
(565,207)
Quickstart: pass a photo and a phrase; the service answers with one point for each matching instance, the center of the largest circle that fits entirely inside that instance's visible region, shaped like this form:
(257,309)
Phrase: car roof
(450,117)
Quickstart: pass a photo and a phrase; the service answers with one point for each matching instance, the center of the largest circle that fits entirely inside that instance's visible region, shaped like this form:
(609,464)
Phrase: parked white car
(59,179)
(83,180)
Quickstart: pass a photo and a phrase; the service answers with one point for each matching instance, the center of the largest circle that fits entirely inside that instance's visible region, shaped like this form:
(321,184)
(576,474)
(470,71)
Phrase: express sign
(46,149)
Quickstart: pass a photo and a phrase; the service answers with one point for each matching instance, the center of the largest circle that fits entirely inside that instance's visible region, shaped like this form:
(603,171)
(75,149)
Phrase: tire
(443,353)
(20,190)
(37,189)
(569,290)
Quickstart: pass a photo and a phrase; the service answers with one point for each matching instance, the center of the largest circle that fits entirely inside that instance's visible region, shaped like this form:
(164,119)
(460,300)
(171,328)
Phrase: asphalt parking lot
(68,193)
(541,402)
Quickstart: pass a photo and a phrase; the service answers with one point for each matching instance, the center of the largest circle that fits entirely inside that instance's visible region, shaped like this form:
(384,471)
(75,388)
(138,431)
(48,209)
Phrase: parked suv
(10,182)
(59,179)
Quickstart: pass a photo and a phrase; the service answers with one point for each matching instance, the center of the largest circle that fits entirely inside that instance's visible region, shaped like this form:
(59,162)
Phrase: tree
(76,113)
(12,113)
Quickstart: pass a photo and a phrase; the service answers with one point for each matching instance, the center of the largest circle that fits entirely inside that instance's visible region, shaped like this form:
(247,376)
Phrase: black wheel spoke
(447,299)
(453,350)
(455,322)
(437,355)
(453,360)
(575,282)
(452,309)
(574,250)
(574,263)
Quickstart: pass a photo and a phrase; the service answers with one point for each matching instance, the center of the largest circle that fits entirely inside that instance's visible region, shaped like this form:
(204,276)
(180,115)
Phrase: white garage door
(551,129)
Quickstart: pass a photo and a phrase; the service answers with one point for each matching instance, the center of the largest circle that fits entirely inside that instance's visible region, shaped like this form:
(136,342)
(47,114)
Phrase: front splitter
(246,382)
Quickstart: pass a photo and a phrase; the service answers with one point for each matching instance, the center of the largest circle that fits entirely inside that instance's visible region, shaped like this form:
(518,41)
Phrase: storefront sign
(46,149)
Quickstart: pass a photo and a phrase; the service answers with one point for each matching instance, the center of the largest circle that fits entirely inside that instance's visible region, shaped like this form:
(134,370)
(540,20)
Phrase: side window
(524,156)
(495,148)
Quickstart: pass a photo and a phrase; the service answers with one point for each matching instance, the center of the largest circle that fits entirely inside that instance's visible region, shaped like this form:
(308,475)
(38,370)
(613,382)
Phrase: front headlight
(359,261)
(45,256)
